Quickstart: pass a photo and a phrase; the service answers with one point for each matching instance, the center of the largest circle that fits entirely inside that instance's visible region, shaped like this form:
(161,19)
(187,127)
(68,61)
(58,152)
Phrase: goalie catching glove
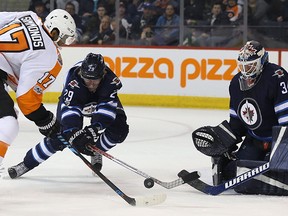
(81,138)
(215,141)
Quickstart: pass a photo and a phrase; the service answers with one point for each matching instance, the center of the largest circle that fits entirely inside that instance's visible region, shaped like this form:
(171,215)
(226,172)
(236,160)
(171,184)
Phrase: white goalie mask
(64,22)
(251,59)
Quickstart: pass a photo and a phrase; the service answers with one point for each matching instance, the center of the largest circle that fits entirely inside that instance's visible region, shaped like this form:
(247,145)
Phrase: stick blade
(150,200)
(188,177)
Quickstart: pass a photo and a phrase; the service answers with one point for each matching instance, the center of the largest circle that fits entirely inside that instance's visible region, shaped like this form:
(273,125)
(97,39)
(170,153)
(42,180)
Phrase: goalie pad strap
(214,141)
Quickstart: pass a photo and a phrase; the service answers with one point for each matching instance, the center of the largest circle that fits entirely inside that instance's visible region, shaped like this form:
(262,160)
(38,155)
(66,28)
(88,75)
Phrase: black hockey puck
(148,183)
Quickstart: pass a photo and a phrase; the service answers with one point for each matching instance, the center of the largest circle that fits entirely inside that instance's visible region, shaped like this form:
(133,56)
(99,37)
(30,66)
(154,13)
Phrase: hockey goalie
(256,132)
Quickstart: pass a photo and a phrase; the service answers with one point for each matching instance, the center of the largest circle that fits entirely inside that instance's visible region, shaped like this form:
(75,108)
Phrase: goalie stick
(240,179)
(141,201)
(182,180)
(218,189)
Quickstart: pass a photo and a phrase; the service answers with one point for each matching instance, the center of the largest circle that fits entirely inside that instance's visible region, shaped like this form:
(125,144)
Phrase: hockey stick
(218,189)
(150,180)
(240,179)
(143,201)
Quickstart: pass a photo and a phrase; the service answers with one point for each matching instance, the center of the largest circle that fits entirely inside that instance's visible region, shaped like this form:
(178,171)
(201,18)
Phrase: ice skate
(96,161)
(17,170)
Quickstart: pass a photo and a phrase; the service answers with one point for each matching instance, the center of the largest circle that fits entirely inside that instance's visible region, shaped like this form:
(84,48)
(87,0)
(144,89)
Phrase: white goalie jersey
(29,56)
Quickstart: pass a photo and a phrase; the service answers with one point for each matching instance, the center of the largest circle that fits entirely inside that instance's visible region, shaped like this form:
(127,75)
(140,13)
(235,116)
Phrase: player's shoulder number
(283,85)
(18,41)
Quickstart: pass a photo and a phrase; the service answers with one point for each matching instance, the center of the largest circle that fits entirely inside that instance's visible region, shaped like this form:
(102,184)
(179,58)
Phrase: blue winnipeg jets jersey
(263,106)
(77,101)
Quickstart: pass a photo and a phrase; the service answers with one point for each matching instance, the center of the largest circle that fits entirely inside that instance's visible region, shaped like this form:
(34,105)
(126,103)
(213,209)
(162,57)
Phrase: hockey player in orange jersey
(29,63)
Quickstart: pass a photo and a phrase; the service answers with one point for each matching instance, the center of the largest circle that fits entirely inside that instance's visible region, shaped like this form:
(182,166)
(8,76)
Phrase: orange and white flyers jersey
(29,56)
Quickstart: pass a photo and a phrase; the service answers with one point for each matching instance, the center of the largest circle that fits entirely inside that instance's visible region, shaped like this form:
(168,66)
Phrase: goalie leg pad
(214,141)
(273,182)
(279,154)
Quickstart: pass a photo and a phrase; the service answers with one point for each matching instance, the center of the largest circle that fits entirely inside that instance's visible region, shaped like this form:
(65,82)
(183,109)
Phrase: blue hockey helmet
(251,59)
(93,66)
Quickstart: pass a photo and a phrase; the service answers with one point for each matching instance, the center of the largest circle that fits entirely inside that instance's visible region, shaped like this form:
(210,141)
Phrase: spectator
(86,7)
(217,16)
(101,11)
(278,11)
(232,9)
(217,33)
(105,35)
(125,23)
(70,8)
(61,4)
(146,35)
(193,11)
(161,5)
(45,2)
(40,10)
(167,28)
(147,18)
(132,8)
(142,3)
(257,11)
(109,5)
(92,23)
(277,17)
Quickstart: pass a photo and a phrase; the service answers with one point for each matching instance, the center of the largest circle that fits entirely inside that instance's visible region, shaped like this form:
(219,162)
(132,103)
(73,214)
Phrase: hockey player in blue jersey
(90,91)
(258,103)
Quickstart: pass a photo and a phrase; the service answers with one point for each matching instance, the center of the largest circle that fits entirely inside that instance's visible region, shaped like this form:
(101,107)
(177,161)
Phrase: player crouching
(90,92)
(258,107)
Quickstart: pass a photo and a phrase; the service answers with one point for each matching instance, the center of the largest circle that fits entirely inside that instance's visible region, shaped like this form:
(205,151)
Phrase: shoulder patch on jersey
(73,84)
(116,81)
(38,89)
(279,73)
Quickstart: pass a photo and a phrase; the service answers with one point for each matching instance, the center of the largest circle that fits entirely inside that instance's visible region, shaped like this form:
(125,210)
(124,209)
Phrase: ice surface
(159,144)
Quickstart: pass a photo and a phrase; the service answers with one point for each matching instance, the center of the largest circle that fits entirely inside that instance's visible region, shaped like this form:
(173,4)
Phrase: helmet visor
(248,69)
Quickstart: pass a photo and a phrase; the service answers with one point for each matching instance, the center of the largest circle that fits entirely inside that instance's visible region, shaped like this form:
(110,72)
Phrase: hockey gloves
(215,141)
(49,126)
(81,138)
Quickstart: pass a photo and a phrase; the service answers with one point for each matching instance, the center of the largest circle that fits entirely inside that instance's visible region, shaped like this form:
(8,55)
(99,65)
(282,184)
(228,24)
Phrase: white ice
(159,144)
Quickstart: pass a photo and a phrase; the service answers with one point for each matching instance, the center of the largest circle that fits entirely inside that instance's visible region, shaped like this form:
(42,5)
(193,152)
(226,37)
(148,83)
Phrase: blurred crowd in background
(195,23)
